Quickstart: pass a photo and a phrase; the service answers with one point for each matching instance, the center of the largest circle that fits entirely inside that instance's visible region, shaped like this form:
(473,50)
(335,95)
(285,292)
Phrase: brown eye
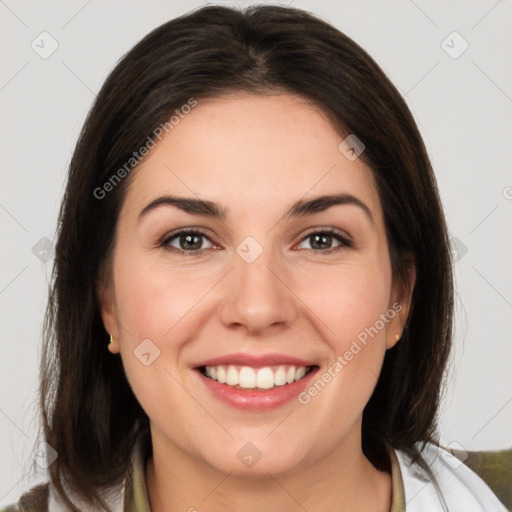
(326,241)
(186,241)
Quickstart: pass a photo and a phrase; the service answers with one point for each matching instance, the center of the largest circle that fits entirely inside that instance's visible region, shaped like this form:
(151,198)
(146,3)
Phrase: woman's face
(287,295)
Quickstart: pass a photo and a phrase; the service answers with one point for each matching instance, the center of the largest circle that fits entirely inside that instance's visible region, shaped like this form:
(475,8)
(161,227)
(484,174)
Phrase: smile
(255,381)
(247,377)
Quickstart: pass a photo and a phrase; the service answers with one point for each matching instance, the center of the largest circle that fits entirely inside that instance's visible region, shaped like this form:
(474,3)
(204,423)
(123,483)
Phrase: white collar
(458,488)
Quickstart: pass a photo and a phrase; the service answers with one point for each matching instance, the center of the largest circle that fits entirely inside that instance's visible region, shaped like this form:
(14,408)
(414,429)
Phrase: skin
(254,155)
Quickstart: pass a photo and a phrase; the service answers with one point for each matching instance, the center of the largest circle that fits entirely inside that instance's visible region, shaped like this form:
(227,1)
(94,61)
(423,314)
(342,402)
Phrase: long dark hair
(90,415)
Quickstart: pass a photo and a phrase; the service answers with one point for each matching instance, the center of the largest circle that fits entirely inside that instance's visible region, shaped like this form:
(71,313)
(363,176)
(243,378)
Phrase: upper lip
(255,360)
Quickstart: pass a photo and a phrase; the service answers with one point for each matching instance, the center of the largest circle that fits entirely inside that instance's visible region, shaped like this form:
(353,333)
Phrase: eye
(190,242)
(322,241)
(186,241)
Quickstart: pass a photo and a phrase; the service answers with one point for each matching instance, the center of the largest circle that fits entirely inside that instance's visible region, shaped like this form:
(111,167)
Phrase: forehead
(251,153)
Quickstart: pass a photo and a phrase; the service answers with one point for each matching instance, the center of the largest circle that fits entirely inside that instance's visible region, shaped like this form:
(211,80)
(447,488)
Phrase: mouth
(255,382)
(261,379)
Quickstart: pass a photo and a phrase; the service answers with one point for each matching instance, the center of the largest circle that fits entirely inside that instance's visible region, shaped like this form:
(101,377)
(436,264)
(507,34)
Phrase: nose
(257,297)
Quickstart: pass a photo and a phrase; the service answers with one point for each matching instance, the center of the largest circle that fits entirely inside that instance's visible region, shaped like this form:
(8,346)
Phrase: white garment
(460,489)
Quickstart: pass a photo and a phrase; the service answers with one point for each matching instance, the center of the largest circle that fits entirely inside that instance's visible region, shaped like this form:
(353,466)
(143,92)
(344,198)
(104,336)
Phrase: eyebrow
(299,209)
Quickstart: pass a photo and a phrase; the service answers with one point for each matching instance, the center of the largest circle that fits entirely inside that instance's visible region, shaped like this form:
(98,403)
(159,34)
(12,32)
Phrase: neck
(342,480)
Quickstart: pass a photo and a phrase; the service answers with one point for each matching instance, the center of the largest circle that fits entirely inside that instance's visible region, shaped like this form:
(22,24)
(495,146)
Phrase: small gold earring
(111,339)
(397,337)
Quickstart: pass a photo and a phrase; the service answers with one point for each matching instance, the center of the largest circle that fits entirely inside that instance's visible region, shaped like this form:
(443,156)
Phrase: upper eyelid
(331,231)
(201,231)
(194,231)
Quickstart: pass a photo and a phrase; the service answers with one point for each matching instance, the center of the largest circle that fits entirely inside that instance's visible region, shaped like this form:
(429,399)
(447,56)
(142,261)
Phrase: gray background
(463,107)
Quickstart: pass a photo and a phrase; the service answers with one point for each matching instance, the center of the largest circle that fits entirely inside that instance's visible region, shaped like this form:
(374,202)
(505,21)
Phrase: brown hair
(90,415)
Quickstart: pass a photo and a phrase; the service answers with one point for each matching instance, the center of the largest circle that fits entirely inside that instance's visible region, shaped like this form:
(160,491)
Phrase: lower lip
(257,400)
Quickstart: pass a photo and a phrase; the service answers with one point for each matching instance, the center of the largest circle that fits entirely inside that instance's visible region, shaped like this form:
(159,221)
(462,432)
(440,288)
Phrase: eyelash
(345,241)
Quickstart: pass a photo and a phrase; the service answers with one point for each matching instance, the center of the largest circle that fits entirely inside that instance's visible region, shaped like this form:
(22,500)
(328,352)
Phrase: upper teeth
(250,378)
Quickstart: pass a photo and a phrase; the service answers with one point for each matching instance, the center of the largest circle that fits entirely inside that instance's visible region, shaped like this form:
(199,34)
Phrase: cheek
(151,300)
(154,303)
(347,299)
(352,303)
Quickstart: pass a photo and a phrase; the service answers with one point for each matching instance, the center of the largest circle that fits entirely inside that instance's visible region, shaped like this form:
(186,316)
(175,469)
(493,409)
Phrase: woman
(252,297)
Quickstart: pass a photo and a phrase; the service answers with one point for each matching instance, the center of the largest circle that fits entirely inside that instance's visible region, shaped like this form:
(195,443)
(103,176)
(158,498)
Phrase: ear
(401,302)
(106,300)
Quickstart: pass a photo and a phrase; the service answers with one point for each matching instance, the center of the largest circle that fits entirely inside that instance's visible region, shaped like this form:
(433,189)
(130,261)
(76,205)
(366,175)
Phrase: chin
(247,459)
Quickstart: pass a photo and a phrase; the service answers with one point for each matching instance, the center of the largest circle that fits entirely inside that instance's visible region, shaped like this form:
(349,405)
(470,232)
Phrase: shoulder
(451,486)
(46,498)
(123,495)
(34,500)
